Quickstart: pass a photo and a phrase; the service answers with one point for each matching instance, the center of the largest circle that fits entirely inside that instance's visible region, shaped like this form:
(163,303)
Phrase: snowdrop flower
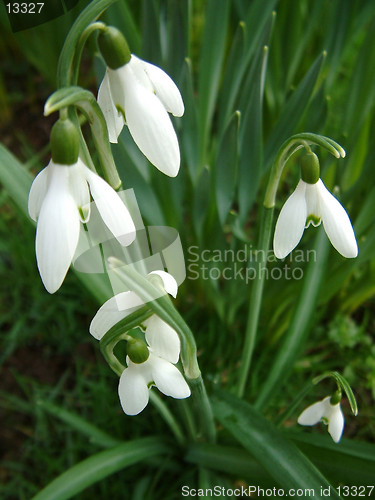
(59,200)
(159,370)
(326,412)
(312,203)
(141,95)
(163,345)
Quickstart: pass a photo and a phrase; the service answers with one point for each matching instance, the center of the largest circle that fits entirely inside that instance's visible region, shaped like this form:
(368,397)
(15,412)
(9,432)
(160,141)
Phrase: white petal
(114,119)
(337,224)
(313,413)
(312,198)
(291,222)
(165,89)
(162,339)
(168,379)
(169,283)
(57,230)
(79,189)
(112,311)
(336,423)
(112,209)
(133,391)
(148,121)
(37,192)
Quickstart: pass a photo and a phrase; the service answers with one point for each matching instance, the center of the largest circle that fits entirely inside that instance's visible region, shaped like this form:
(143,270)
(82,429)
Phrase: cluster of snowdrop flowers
(59,200)
(327,411)
(139,94)
(148,363)
(312,203)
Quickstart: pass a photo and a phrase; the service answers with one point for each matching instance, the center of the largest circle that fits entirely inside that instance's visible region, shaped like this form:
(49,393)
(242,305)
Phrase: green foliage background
(251,73)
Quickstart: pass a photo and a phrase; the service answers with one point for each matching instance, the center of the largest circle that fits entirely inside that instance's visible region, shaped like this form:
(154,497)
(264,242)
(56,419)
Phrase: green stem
(85,101)
(91,28)
(202,408)
(287,149)
(255,301)
(167,417)
(66,65)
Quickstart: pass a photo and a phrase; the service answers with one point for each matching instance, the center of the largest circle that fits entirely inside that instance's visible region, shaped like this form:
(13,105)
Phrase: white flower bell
(142,95)
(326,412)
(312,203)
(59,200)
(163,345)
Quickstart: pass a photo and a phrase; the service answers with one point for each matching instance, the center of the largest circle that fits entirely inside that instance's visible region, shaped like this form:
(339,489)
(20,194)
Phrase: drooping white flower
(329,414)
(163,344)
(143,94)
(159,370)
(313,204)
(59,200)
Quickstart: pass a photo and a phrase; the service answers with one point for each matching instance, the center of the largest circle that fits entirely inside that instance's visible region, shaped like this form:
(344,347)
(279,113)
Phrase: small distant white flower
(324,411)
(313,203)
(59,200)
(143,94)
(163,344)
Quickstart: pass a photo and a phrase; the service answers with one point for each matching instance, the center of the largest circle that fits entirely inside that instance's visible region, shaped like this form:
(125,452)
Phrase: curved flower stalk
(59,200)
(163,345)
(313,204)
(141,95)
(326,412)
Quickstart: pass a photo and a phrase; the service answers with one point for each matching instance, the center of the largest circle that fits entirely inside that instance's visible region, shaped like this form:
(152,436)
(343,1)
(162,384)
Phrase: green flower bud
(137,350)
(310,169)
(336,398)
(114,47)
(64,141)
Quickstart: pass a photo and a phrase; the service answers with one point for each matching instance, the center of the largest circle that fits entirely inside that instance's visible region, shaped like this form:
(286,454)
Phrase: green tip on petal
(64,142)
(310,168)
(114,47)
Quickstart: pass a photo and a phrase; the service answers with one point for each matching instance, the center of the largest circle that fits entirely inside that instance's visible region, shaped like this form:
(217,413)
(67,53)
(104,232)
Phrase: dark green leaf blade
(280,458)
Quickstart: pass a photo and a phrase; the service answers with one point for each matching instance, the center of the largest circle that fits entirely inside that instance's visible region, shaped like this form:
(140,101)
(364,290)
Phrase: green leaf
(293,110)
(285,463)
(348,455)
(189,132)
(226,167)
(253,32)
(93,469)
(79,424)
(251,138)
(210,65)
(226,459)
(300,324)
(15,179)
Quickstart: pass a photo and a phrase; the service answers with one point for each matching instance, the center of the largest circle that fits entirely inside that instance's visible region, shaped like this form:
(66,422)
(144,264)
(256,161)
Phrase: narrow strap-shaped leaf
(93,469)
(226,167)
(65,69)
(300,324)
(293,110)
(15,179)
(79,424)
(226,459)
(288,466)
(210,65)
